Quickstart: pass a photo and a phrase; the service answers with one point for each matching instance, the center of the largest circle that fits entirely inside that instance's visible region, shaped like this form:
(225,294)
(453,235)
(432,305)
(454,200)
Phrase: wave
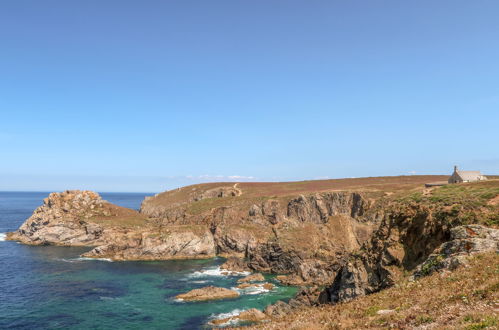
(79,259)
(230,316)
(216,271)
(3,236)
(252,290)
(92,259)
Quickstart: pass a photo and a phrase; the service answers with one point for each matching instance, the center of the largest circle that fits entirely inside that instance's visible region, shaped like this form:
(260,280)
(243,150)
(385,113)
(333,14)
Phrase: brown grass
(117,216)
(465,299)
(256,192)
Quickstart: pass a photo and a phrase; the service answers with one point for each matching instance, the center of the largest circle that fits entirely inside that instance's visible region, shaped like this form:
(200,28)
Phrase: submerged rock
(208,293)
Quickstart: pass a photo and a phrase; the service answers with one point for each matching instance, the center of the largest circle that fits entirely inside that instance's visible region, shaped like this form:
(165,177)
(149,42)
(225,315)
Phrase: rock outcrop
(82,218)
(465,240)
(264,234)
(63,220)
(235,264)
(251,315)
(208,293)
(159,246)
(219,192)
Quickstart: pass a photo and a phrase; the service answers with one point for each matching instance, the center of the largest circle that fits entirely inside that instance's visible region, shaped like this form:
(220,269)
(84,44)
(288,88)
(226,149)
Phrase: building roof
(469,175)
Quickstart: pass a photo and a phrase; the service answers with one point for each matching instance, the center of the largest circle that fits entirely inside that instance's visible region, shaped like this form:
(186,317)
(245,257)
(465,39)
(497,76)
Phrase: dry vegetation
(257,192)
(112,215)
(464,299)
(463,203)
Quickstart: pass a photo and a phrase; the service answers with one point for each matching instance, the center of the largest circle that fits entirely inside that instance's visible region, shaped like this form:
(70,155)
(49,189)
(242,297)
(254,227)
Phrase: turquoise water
(47,287)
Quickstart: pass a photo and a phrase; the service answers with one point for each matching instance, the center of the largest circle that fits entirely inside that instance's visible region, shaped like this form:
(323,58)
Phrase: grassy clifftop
(464,203)
(254,192)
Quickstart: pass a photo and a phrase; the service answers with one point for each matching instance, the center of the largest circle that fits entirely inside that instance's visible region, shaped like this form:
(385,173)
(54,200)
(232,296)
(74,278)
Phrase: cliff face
(304,236)
(420,237)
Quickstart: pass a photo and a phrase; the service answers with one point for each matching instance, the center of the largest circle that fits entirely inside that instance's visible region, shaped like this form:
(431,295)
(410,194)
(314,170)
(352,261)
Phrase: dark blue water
(48,287)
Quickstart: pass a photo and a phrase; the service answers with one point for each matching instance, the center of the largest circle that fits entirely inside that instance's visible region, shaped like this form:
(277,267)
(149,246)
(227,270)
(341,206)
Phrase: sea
(50,287)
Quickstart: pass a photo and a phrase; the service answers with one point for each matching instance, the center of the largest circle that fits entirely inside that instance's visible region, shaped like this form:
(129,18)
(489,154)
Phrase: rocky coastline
(337,244)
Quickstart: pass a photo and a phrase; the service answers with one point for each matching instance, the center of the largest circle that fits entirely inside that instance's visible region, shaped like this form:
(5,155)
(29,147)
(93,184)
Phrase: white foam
(3,236)
(86,259)
(92,259)
(216,271)
(231,316)
(256,290)
(252,290)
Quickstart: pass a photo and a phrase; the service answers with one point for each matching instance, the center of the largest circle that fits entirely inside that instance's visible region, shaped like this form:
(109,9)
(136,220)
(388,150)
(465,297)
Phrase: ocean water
(48,287)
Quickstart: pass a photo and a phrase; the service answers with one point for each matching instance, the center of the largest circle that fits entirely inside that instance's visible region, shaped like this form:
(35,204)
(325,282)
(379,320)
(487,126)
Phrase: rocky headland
(338,239)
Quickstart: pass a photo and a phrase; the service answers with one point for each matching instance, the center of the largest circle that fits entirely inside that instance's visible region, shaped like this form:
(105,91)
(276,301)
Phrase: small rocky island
(340,240)
(208,293)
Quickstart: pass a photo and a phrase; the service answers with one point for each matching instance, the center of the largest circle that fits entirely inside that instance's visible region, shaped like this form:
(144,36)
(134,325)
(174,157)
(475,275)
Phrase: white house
(466,176)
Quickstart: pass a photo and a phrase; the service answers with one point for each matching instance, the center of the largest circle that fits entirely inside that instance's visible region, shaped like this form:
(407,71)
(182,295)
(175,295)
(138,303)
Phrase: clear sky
(150,95)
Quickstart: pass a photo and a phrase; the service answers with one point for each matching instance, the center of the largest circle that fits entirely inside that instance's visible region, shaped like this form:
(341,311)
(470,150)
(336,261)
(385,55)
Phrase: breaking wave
(230,316)
(216,271)
(79,259)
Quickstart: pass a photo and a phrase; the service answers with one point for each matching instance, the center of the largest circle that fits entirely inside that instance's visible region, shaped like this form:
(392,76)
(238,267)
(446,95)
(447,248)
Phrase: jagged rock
(465,240)
(232,239)
(280,308)
(62,220)
(272,212)
(219,192)
(235,264)
(208,293)
(271,257)
(357,278)
(319,207)
(252,278)
(252,315)
(306,297)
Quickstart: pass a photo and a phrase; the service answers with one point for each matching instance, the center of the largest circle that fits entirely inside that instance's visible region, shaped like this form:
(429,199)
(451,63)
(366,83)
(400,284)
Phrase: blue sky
(151,95)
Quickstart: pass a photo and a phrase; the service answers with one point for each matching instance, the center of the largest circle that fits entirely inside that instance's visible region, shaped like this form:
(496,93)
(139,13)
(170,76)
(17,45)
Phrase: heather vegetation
(461,204)
(465,299)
